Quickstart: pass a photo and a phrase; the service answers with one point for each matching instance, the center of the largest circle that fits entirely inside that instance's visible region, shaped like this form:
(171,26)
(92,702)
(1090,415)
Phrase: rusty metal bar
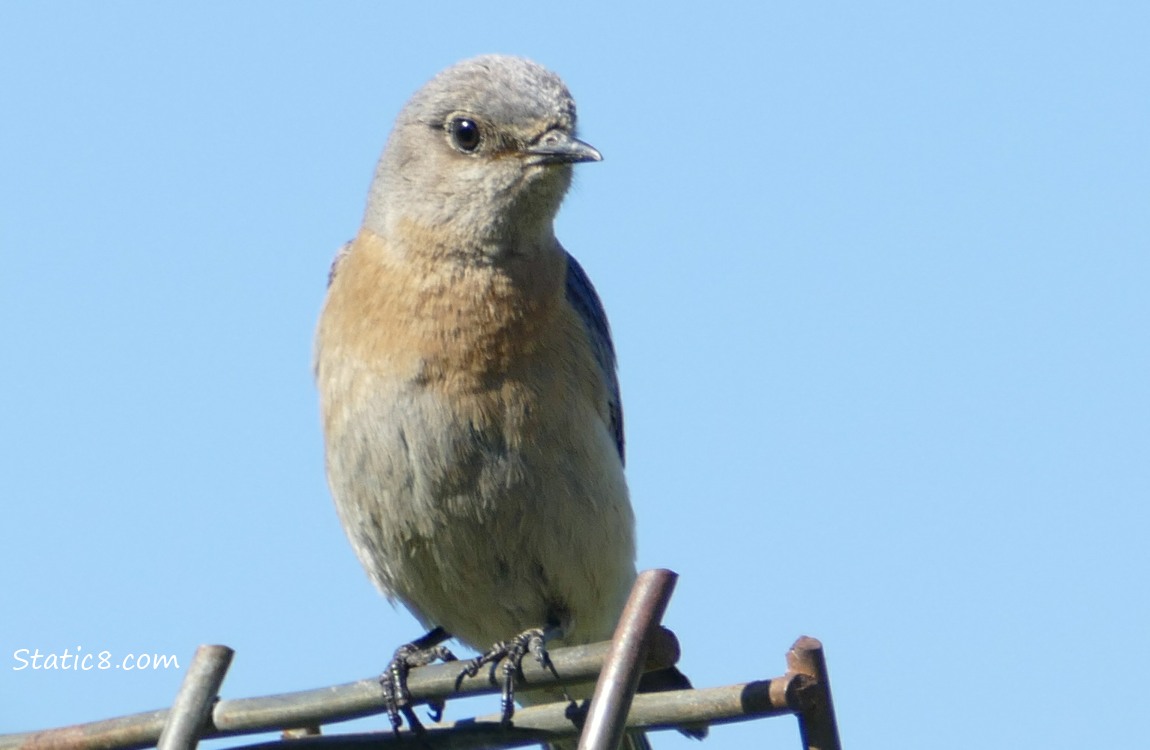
(817,723)
(121,733)
(796,692)
(576,665)
(607,716)
(192,708)
(556,721)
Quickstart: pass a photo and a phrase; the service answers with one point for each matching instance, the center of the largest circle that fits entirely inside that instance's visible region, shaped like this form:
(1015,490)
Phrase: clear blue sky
(879,277)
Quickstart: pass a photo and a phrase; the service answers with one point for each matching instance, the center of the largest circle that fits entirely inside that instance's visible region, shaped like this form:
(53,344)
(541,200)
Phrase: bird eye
(464,134)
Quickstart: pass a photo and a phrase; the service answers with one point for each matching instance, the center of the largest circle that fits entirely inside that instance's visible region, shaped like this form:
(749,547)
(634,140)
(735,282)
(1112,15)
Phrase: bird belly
(486,512)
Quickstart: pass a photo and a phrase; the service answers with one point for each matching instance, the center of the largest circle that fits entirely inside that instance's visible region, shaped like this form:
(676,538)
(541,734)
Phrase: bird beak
(560,147)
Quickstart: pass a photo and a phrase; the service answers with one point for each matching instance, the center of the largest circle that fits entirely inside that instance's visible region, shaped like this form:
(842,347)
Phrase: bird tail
(658,681)
(635,741)
(667,679)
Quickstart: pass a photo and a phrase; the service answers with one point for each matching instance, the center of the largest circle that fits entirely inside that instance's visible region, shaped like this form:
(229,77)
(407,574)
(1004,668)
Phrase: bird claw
(396,697)
(511,653)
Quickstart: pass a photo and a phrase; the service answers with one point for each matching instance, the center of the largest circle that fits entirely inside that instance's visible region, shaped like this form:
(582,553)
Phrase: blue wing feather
(582,296)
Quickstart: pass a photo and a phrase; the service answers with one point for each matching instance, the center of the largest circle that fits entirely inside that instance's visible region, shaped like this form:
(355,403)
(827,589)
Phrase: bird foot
(511,654)
(418,653)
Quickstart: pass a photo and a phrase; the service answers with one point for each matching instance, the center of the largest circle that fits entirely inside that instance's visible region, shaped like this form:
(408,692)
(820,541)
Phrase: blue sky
(878,276)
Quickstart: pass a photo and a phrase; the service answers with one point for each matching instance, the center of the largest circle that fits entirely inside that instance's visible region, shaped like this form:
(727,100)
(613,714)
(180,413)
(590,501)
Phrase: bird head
(482,152)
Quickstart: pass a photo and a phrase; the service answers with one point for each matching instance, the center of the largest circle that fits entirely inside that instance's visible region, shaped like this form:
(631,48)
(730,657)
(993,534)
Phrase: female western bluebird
(473,430)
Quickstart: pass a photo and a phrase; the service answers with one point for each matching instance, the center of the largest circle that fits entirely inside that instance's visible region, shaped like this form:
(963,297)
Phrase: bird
(467,379)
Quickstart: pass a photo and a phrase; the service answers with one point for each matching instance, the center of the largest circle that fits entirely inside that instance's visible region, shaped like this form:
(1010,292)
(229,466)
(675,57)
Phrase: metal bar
(121,733)
(192,708)
(817,723)
(556,721)
(576,665)
(607,716)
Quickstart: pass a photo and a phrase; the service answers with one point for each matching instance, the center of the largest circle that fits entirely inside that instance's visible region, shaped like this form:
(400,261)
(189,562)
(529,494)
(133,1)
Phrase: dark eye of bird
(465,134)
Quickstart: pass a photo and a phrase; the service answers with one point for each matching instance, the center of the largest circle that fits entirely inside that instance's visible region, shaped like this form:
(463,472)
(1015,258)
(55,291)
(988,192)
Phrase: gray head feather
(506,189)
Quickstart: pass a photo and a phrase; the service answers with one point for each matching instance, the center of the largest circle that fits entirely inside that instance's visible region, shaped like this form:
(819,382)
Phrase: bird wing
(581,294)
(339,256)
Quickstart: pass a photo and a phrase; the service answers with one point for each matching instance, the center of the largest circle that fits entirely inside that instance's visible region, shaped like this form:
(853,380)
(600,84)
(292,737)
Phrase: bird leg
(512,652)
(420,652)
